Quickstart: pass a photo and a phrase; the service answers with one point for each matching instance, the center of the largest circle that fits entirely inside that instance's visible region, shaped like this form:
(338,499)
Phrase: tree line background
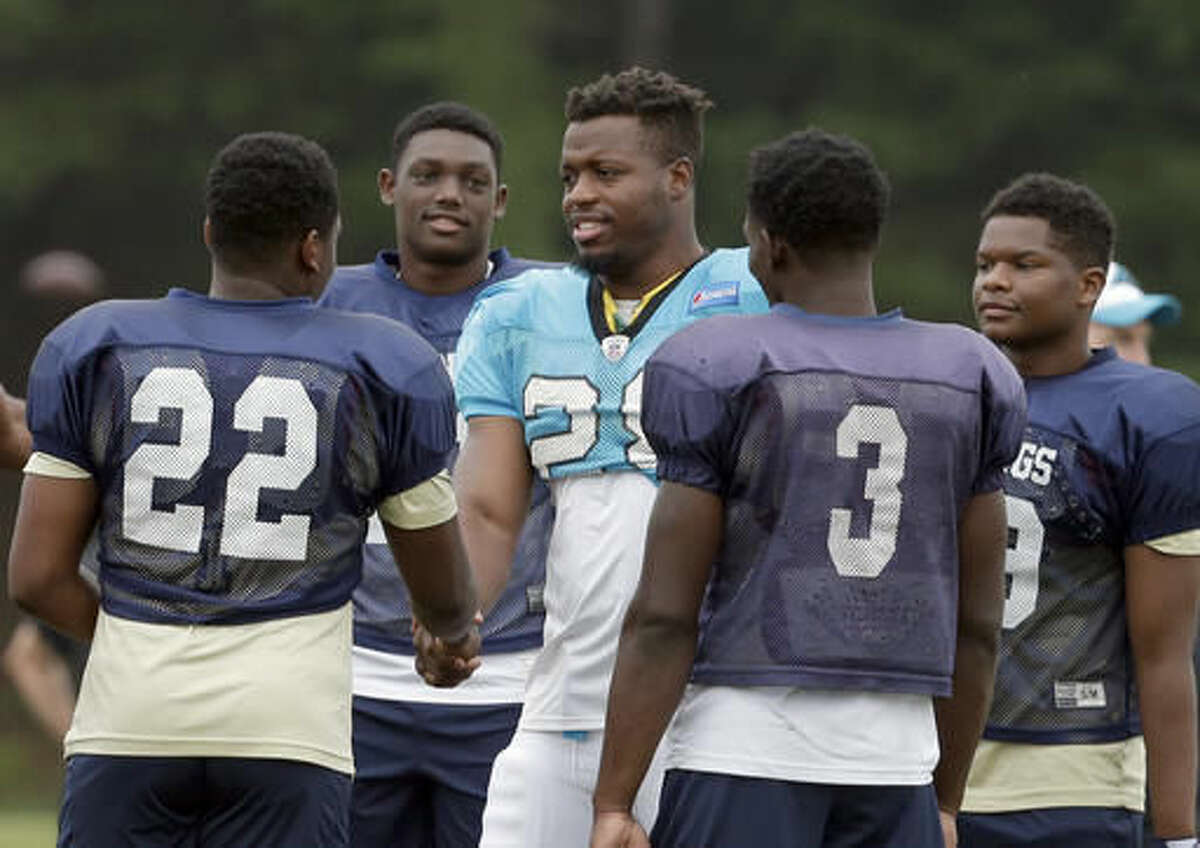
(110,114)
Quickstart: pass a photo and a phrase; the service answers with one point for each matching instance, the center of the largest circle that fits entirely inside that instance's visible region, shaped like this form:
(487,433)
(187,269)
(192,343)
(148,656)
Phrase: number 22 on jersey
(180,527)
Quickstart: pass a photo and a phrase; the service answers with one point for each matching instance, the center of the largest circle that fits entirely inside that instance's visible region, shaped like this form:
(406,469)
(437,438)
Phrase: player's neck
(671,258)
(438,277)
(226,285)
(841,288)
(1061,356)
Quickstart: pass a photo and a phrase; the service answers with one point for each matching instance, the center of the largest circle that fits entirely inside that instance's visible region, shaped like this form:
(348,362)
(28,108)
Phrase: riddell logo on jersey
(715,294)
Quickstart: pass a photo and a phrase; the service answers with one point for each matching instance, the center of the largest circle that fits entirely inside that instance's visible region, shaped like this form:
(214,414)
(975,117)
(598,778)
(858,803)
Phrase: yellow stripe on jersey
(45,465)
(1186,543)
(610,305)
(424,505)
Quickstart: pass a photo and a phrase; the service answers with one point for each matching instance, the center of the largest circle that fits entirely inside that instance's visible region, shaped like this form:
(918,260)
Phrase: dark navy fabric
(1111,458)
(728,811)
(413,757)
(202,802)
(382,610)
(238,446)
(840,447)
(1054,827)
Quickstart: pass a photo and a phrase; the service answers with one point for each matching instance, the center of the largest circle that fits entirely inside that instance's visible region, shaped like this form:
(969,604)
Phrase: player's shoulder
(1157,401)
(107,322)
(721,351)
(518,301)
(721,283)
(956,341)
(372,335)
(505,266)
(350,285)
(345,275)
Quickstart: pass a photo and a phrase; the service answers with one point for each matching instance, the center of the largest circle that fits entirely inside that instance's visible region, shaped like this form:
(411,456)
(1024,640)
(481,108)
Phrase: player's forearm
(961,717)
(67,604)
(16,442)
(42,678)
(1167,690)
(492,482)
(440,584)
(490,538)
(653,661)
(448,608)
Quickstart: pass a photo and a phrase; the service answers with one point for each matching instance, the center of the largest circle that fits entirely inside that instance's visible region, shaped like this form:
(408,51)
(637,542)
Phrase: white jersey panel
(806,735)
(500,679)
(592,570)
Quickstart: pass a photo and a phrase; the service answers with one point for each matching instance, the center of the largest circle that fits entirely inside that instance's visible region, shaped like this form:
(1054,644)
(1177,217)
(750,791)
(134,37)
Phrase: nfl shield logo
(614,347)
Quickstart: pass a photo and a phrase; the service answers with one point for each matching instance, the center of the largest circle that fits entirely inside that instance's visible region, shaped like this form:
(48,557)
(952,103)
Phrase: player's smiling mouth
(586,230)
(445,223)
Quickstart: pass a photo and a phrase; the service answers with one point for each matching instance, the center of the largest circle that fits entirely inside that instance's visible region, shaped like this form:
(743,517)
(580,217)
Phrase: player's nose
(449,192)
(579,193)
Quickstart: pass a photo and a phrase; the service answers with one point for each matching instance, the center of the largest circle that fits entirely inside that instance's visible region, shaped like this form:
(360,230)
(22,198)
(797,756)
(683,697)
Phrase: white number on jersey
(242,534)
(578,398)
(181,527)
(867,557)
(1022,560)
(639,453)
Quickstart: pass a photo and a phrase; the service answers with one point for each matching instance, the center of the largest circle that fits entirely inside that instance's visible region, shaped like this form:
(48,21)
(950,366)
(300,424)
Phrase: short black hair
(1079,220)
(818,191)
(447,115)
(265,189)
(673,111)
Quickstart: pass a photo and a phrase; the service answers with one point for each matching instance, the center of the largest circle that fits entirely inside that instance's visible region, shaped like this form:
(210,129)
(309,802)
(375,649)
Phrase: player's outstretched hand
(618,830)
(15,439)
(446,664)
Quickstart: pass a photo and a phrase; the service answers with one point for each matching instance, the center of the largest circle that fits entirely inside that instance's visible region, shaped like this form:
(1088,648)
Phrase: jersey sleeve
(484,365)
(421,429)
(687,424)
(1164,498)
(56,409)
(1004,415)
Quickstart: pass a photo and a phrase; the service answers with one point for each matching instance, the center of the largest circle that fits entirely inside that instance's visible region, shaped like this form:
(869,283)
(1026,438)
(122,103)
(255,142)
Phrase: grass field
(27,828)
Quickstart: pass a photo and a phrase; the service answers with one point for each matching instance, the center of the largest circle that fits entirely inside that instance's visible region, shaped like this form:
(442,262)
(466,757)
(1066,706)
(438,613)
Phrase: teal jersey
(538,349)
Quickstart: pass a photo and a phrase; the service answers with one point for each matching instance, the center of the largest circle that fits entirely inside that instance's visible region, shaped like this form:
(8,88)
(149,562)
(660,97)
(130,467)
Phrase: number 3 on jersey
(181,527)
(867,557)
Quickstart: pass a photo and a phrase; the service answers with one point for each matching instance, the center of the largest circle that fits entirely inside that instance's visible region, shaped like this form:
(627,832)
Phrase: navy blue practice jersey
(1111,458)
(382,610)
(844,450)
(237,446)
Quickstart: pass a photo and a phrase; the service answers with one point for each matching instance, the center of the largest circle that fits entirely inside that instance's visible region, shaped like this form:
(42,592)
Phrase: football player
(549,376)
(230,447)
(423,755)
(1104,559)
(825,558)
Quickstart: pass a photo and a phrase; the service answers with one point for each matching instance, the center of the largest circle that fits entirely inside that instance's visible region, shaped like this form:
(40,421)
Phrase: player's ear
(311,251)
(387,185)
(1091,283)
(207,232)
(779,251)
(501,201)
(680,175)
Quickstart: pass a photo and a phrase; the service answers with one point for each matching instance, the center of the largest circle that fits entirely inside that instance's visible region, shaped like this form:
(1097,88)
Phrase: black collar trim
(595,304)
